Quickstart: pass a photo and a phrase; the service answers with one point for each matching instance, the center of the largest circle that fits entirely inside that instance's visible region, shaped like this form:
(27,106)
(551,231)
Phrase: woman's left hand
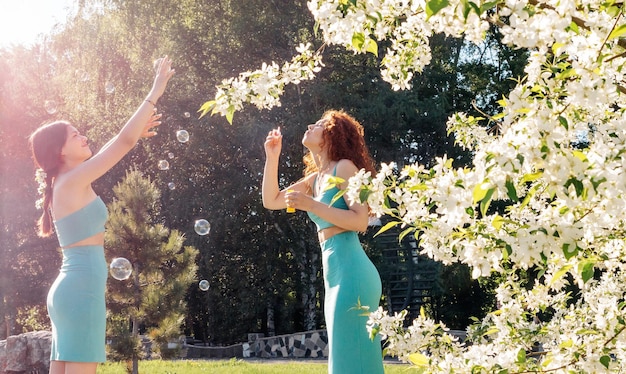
(148,129)
(299,200)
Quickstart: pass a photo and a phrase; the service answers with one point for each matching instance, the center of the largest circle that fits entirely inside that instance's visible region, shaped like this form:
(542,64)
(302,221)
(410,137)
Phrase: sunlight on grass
(234,366)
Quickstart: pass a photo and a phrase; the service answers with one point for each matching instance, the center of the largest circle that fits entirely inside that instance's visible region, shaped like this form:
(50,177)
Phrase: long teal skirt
(77,308)
(350,280)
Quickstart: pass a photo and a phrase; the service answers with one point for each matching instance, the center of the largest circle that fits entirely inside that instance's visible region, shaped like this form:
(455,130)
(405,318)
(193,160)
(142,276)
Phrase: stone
(26,353)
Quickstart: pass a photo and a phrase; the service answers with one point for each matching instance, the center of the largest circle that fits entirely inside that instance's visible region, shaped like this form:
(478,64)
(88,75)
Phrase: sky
(23,21)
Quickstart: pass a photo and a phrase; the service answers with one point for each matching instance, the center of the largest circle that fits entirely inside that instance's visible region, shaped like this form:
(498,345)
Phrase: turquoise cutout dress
(76,303)
(350,279)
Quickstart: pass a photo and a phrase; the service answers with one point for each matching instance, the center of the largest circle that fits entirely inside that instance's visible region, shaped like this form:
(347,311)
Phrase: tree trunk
(308,275)
(9,317)
(271,326)
(135,328)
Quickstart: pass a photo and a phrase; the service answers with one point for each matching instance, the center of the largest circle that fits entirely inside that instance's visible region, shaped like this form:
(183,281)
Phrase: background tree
(152,300)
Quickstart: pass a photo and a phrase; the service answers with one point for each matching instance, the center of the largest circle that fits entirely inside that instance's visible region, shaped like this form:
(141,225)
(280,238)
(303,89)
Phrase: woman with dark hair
(351,282)
(67,168)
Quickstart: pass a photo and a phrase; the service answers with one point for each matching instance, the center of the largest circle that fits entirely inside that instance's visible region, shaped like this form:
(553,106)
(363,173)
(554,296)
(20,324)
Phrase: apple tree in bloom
(553,165)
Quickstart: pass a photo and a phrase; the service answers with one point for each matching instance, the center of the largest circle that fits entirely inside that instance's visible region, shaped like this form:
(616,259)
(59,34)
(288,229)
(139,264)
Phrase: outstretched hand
(148,129)
(273,143)
(164,71)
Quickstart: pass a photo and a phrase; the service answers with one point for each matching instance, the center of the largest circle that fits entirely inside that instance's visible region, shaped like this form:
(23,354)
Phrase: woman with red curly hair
(337,151)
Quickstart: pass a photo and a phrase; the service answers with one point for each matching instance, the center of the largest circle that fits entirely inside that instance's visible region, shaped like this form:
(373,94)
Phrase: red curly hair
(343,138)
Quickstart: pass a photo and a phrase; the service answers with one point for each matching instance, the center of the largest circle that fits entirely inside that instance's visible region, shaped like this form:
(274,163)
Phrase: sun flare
(24,21)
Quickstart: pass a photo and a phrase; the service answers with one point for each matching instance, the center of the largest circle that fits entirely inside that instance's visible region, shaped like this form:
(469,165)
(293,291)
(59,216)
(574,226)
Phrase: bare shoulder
(69,196)
(346,168)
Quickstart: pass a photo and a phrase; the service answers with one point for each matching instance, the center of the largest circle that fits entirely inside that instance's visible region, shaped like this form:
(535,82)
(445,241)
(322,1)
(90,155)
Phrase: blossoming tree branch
(556,163)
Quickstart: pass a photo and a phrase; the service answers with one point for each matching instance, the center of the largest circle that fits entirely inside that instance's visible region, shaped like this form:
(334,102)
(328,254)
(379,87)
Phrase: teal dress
(76,303)
(350,280)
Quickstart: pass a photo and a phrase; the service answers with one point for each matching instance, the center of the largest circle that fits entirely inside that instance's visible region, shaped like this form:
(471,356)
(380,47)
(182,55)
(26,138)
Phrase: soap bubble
(109,88)
(120,268)
(50,106)
(202,227)
(164,165)
(171,186)
(186,114)
(182,136)
(170,155)
(83,75)
(204,285)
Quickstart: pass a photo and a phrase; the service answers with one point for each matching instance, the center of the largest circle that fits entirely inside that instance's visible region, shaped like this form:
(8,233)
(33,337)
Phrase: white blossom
(557,162)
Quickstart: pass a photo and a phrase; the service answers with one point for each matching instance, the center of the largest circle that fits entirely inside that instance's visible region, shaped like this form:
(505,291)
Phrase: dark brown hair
(46,144)
(344,138)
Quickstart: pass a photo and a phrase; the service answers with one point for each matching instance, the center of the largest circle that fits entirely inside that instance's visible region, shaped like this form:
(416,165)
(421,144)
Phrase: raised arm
(273,197)
(136,127)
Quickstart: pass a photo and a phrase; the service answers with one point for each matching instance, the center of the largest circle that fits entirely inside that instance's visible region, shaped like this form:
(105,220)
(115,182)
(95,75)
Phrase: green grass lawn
(235,366)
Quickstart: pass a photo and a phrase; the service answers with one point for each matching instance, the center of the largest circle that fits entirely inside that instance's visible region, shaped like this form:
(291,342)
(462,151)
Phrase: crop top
(82,224)
(326,197)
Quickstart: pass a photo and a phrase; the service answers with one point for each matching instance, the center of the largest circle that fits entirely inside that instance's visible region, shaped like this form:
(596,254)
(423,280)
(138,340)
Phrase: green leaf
(364,194)
(617,32)
(532,176)
(559,274)
(388,226)
(230,113)
(521,356)
(529,195)
(492,330)
(418,359)
(578,186)
(510,190)
(563,122)
(497,222)
(586,269)
(480,191)
(468,6)
(566,344)
(358,39)
(580,155)
(434,6)
(484,204)
(605,361)
(333,181)
(487,6)
(372,47)
(612,9)
(502,102)
(375,330)
(206,107)
(556,46)
(587,332)
(405,232)
(506,252)
(569,253)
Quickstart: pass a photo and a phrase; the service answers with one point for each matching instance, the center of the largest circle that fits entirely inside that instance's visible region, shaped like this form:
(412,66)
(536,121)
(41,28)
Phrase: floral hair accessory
(40,177)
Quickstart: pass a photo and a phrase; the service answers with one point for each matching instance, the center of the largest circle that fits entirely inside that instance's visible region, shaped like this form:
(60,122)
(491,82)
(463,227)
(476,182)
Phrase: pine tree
(152,300)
